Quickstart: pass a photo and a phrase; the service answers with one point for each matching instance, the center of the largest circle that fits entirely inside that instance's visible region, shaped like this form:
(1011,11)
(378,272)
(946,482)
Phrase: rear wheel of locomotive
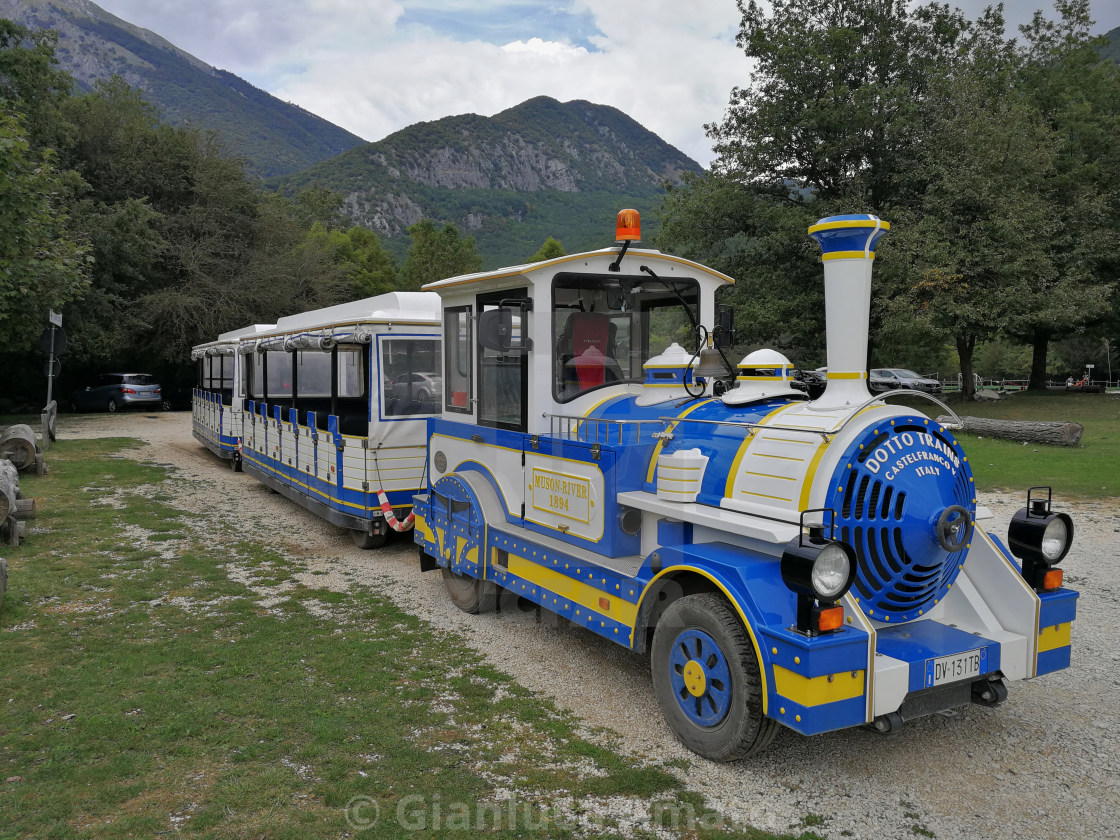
(707,679)
(470,594)
(366,540)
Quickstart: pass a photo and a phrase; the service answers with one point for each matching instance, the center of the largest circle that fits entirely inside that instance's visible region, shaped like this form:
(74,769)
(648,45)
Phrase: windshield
(605,327)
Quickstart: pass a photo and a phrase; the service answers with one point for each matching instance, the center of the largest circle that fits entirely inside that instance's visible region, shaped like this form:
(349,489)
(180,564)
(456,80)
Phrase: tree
(833,107)
(435,255)
(965,258)
(550,250)
(42,263)
(1079,97)
(31,82)
(359,255)
(745,232)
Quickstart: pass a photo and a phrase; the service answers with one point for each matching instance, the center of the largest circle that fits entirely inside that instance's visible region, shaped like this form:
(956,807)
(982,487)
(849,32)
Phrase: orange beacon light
(628,227)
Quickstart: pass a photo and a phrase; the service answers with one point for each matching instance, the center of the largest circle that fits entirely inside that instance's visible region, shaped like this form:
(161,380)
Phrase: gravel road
(1045,765)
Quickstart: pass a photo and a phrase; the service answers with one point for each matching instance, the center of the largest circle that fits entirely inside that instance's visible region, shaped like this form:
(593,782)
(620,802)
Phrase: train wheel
(707,679)
(469,594)
(363,539)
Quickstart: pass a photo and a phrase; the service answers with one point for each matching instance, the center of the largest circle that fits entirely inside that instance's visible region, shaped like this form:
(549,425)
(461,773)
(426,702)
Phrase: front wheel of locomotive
(707,679)
(470,594)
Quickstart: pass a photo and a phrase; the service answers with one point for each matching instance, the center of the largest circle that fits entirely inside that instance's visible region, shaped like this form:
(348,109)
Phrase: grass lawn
(146,692)
(1091,469)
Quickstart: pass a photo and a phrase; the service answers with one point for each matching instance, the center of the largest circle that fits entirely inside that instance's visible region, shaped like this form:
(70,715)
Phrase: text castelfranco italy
(931,460)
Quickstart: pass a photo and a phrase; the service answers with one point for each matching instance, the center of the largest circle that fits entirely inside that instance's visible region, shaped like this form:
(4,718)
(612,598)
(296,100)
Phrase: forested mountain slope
(542,168)
(274,136)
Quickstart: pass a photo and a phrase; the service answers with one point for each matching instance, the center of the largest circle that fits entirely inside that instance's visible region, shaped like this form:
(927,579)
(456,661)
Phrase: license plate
(956,667)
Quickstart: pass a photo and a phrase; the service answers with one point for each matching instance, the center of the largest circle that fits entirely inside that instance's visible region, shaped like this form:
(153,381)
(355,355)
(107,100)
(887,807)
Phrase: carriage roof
(593,262)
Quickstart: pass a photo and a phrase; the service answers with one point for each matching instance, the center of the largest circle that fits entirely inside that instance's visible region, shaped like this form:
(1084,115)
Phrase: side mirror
(797,374)
(725,327)
(495,330)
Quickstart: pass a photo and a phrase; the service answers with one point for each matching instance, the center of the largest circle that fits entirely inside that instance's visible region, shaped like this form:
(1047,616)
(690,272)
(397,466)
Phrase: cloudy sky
(376,66)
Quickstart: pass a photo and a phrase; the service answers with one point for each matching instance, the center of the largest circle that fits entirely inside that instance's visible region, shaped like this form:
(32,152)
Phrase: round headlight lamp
(832,572)
(1039,535)
(1055,539)
(1041,539)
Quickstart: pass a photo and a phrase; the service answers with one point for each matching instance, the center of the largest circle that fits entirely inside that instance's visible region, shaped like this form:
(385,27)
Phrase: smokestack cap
(848,237)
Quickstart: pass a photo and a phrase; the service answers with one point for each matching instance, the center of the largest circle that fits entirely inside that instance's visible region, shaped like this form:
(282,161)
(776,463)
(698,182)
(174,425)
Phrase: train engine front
(814,563)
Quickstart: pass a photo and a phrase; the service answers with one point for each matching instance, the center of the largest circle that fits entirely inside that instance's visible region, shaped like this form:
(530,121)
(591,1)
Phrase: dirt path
(1045,765)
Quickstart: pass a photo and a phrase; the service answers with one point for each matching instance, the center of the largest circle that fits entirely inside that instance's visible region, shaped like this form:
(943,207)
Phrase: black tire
(235,464)
(366,540)
(112,406)
(470,594)
(743,729)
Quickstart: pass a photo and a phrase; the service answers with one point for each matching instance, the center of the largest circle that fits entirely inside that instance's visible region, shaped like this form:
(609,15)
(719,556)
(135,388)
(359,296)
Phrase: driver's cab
(529,344)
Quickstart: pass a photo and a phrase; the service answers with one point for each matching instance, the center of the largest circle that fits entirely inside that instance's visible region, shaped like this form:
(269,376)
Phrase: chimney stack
(847,250)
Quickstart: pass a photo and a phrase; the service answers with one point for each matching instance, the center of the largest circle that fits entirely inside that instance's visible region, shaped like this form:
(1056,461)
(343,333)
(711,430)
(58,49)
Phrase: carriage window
(351,371)
(279,374)
(254,375)
(605,327)
(313,373)
(225,379)
(411,376)
(501,376)
(458,349)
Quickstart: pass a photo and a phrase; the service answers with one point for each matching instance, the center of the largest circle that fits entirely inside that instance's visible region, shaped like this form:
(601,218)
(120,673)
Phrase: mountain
(542,168)
(1112,48)
(274,136)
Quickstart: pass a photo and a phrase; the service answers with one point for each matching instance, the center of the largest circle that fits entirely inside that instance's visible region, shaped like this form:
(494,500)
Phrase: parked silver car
(114,391)
(889,379)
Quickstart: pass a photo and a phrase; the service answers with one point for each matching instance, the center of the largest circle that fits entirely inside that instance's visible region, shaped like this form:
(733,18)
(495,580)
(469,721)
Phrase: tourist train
(581,444)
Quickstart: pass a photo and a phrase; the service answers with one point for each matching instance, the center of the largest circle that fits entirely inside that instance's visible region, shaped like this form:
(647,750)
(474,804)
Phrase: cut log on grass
(14,509)
(9,489)
(19,445)
(1030,431)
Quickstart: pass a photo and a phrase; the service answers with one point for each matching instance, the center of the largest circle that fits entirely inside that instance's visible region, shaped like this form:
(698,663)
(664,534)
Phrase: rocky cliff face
(442,169)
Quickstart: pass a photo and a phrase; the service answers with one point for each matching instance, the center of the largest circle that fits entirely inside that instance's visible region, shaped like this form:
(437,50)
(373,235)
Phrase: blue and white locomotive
(813,563)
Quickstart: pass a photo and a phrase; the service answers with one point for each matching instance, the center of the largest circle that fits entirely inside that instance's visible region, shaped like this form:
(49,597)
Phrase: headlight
(1040,538)
(819,571)
(1055,540)
(832,570)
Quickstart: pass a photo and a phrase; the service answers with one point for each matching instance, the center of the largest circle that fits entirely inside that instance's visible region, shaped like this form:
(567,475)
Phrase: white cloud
(668,64)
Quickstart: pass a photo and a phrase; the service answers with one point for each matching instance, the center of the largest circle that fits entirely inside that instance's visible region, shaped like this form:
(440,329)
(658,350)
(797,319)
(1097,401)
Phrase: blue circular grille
(888,492)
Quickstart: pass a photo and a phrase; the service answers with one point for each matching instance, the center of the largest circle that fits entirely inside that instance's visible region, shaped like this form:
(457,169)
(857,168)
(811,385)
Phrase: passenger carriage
(818,564)
(336,402)
(219,393)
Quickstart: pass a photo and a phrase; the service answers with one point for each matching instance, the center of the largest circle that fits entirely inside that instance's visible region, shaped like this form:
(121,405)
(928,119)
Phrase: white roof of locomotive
(392,308)
(593,262)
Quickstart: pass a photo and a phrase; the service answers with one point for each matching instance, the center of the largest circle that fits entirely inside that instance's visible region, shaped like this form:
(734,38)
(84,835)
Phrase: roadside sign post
(53,343)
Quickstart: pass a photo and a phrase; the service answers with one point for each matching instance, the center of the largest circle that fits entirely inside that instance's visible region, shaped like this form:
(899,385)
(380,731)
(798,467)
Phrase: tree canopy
(989,155)
(150,238)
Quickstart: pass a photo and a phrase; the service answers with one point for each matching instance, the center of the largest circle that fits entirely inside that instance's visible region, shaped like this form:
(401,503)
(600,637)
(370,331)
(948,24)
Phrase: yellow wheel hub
(694,679)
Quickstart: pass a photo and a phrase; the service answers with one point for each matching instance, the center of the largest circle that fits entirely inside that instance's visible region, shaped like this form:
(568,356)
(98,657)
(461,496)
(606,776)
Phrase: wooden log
(1052,433)
(18,445)
(9,489)
(3,579)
